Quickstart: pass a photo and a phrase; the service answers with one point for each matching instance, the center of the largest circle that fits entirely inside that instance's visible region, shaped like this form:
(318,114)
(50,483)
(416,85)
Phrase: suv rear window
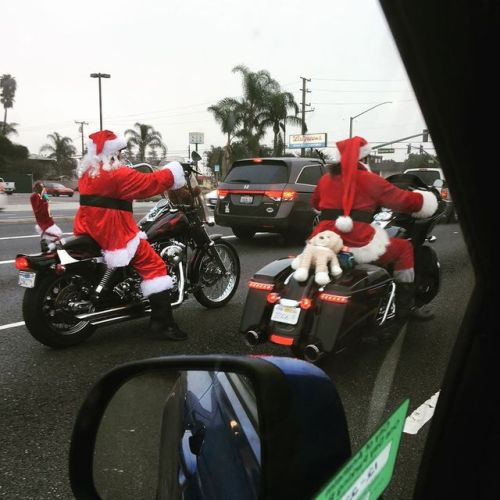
(258,173)
(427,176)
(310,175)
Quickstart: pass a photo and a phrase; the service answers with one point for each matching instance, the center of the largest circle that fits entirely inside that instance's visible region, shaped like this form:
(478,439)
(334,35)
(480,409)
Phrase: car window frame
(321,169)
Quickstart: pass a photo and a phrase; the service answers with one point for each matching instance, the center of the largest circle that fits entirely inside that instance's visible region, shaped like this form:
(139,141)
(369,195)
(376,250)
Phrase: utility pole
(99,76)
(303,103)
(80,129)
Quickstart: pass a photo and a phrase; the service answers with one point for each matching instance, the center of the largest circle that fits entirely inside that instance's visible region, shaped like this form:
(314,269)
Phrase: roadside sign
(216,168)
(299,141)
(385,150)
(369,471)
(196,137)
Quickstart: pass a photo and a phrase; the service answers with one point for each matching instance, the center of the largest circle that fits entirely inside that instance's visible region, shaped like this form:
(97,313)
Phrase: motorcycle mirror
(438,183)
(195,156)
(218,425)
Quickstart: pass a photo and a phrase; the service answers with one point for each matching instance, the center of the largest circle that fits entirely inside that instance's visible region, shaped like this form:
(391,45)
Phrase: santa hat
(100,150)
(351,152)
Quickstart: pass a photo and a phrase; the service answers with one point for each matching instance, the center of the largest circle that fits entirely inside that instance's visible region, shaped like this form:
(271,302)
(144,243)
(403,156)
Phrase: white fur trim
(301,274)
(178,172)
(156,285)
(122,256)
(364,151)
(52,233)
(344,224)
(429,205)
(321,278)
(295,263)
(92,161)
(374,249)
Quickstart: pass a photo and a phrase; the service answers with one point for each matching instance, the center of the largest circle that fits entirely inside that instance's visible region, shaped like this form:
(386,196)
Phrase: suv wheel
(244,233)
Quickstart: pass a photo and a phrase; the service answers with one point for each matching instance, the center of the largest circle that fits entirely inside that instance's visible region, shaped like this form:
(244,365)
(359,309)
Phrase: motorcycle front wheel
(216,288)
(44,310)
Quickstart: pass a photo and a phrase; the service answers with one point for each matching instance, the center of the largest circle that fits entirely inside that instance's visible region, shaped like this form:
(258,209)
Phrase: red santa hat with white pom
(101,148)
(351,151)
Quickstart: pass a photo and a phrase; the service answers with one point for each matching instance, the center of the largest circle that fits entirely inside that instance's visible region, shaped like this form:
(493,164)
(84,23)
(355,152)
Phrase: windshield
(258,173)
(427,176)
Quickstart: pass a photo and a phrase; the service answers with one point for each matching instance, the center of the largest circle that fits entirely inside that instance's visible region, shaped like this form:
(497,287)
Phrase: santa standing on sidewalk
(107,189)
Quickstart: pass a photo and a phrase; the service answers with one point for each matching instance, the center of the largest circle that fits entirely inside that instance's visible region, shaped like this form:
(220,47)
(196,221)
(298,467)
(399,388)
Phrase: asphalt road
(42,389)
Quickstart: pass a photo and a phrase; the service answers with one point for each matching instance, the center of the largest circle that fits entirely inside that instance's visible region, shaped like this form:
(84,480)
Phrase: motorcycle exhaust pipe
(313,353)
(254,337)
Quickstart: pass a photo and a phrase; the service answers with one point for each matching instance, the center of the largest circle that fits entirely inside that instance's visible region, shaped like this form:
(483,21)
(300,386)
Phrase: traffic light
(425,136)
(408,149)
(421,149)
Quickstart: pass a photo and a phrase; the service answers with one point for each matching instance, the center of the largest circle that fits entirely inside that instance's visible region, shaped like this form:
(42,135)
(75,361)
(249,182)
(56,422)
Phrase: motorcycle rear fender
(41,261)
(257,311)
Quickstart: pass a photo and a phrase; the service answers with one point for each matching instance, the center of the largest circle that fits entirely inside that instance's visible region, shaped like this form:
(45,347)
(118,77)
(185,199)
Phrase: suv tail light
(222,193)
(281,195)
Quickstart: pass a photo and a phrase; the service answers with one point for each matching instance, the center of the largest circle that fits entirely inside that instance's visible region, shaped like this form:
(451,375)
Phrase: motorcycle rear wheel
(40,312)
(215,289)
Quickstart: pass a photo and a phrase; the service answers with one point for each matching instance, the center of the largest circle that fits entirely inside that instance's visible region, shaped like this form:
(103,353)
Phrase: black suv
(269,195)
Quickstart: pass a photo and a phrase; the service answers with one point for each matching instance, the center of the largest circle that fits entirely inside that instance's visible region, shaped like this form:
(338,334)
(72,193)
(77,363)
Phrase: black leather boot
(405,304)
(162,321)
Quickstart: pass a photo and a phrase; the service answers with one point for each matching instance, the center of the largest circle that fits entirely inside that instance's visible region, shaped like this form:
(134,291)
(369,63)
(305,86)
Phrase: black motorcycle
(70,290)
(311,319)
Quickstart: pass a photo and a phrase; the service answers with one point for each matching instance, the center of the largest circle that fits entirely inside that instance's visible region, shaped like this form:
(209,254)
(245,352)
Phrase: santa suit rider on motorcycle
(107,189)
(347,197)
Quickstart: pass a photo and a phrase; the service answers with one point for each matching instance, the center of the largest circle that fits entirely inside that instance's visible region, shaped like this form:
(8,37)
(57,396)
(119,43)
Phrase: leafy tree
(257,89)
(421,160)
(8,86)
(9,129)
(144,140)
(62,150)
(276,115)
(227,114)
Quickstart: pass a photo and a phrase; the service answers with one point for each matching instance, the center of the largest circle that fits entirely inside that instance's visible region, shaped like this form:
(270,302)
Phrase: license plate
(285,314)
(27,280)
(246,199)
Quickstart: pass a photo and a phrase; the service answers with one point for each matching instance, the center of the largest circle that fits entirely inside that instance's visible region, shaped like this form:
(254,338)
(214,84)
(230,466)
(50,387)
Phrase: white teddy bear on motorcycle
(321,252)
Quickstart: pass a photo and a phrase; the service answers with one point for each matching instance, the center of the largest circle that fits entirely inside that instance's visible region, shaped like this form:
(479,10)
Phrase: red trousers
(399,252)
(147,262)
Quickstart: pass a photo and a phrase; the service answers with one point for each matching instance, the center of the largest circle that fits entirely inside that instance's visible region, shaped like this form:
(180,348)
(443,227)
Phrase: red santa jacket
(42,212)
(366,241)
(116,230)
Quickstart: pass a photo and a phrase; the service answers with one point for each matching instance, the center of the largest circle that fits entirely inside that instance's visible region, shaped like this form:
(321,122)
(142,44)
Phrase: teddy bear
(320,251)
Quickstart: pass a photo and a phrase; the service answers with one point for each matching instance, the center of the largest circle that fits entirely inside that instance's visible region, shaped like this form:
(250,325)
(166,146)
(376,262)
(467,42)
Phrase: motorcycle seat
(80,242)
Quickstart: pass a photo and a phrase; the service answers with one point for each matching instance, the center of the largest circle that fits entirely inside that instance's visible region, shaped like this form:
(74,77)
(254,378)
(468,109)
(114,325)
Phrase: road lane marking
(19,237)
(12,325)
(421,415)
(7,261)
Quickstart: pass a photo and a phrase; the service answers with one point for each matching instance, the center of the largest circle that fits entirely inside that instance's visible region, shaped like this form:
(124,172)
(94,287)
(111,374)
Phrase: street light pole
(366,111)
(99,76)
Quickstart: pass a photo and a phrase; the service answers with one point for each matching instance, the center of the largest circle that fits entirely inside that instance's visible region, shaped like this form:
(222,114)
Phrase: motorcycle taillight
(22,263)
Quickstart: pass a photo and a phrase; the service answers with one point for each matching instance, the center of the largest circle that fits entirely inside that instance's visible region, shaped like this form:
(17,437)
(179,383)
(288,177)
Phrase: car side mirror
(221,426)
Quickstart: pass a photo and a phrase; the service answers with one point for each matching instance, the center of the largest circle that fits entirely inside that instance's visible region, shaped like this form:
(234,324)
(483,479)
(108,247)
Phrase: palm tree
(276,115)
(62,150)
(8,85)
(9,129)
(257,87)
(144,138)
(227,114)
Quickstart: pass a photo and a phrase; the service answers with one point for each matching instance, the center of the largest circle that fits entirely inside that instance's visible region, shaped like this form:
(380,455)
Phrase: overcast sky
(170,60)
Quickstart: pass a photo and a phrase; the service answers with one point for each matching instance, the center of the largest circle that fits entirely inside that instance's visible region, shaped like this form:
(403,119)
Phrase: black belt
(356,215)
(90,200)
